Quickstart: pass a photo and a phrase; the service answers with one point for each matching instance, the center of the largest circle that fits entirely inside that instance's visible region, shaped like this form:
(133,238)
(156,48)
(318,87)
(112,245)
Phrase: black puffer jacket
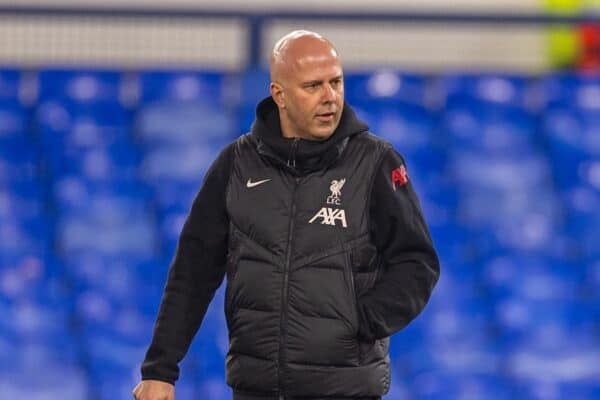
(327,255)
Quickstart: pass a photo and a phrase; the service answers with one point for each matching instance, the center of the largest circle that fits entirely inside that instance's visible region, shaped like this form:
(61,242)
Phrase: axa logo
(329,216)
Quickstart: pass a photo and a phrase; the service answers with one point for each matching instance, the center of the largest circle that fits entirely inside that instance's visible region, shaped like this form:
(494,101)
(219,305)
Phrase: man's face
(313,97)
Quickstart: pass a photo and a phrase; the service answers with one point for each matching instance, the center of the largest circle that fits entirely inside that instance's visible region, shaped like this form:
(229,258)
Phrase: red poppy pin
(399,176)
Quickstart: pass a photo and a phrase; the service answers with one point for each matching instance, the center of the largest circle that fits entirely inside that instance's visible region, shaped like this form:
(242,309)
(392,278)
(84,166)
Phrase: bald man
(315,223)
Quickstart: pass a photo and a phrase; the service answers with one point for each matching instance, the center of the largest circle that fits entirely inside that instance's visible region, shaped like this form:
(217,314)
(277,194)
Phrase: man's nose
(329,93)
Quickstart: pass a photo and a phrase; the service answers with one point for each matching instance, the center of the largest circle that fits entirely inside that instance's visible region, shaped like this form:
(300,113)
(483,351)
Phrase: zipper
(291,162)
(284,294)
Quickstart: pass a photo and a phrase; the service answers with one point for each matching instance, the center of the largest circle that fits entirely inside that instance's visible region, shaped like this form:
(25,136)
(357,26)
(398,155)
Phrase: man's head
(307,85)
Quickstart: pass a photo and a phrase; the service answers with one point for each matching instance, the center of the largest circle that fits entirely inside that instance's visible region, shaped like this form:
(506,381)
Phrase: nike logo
(251,184)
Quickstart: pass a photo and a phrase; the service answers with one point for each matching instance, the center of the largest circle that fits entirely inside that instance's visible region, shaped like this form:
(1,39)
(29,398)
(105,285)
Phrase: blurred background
(110,114)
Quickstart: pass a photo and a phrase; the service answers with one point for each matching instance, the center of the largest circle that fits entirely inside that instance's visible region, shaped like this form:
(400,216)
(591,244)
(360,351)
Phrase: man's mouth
(325,117)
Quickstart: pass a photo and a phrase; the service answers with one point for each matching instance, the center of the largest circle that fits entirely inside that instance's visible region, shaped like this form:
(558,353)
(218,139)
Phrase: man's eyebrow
(314,82)
(319,81)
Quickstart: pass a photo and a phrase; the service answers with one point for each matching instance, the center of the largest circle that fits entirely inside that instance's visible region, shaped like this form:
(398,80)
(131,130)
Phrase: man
(321,236)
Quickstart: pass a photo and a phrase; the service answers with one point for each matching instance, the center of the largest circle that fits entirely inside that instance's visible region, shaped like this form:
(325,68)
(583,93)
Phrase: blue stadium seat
(214,388)
(442,386)
(74,195)
(508,272)
(506,174)
(117,386)
(176,164)
(498,91)
(473,125)
(185,123)
(447,318)
(28,190)
(592,285)
(77,126)
(18,238)
(18,162)
(208,87)
(254,86)
(570,126)
(80,86)
(135,235)
(524,205)
(110,275)
(122,324)
(40,332)
(411,129)
(114,164)
(536,224)
(581,202)
(122,288)
(570,89)
(20,206)
(104,205)
(247,115)
(107,351)
(543,321)
(501,173)
(547,389)
(175,196)
(93,308)
(573,140)
(570,366)
(9,84)
(589,173)
(13,122)
(385,86)
(588,238)
(587,95)
(170,228)
(93,142)
(54,382)
(437,204)
(583,219)
(95,269)
(564,132)
(32,279)
(451,241)
(114,368)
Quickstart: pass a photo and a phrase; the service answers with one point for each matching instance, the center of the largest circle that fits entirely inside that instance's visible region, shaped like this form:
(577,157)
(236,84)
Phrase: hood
(301,155)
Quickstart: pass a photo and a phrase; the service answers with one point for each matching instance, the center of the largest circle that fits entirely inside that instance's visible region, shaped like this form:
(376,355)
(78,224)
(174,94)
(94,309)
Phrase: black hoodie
(397,229)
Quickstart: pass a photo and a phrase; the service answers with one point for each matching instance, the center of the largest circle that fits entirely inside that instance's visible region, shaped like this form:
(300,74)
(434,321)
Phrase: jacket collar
(301,155)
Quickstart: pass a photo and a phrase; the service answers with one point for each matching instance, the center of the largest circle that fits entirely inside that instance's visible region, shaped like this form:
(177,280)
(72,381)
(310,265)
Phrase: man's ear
(277,94)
